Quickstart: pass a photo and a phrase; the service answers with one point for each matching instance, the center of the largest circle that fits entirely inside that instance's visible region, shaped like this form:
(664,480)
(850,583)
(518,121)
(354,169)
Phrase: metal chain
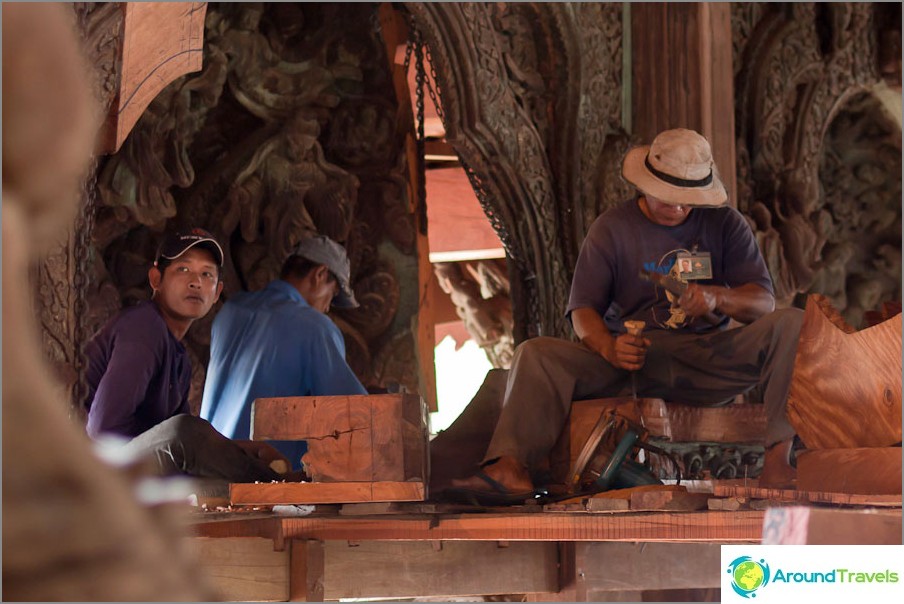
(416,47)
(81,280)
(82,261)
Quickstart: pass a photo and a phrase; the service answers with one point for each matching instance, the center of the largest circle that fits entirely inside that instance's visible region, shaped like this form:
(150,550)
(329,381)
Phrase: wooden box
(359,438)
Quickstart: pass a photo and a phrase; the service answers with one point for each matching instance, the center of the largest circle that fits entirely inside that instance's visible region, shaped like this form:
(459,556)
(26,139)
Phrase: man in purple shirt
(139,372)
(686,352)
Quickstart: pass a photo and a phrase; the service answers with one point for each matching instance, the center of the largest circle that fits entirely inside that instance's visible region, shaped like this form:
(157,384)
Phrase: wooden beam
(243,569)
(294,493)
(866,471)
(613,567)
(791,495)
(374,569)
(691,85)
(722,527)
(394,31)
(823,526)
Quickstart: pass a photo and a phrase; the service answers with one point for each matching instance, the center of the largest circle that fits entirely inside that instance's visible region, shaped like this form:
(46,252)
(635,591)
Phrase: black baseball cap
(176,243)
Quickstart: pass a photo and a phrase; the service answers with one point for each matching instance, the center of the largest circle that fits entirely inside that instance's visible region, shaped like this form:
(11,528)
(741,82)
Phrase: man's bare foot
(506,470)
(777,470)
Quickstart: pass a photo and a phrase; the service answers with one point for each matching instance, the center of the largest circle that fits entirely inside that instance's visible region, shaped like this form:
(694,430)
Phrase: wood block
(846,387)
(668,500)
(294,493)
(868,471)
(360,438)
(799,525)
(244,569)
(374,569)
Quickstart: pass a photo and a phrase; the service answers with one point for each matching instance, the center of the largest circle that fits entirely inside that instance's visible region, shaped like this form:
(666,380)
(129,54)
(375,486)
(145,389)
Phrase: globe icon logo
(748,575)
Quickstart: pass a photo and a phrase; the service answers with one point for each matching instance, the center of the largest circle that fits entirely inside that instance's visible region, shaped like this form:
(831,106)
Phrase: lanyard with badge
(694,265)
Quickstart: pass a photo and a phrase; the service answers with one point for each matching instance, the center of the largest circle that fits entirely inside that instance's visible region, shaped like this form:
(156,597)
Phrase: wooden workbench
(403,550)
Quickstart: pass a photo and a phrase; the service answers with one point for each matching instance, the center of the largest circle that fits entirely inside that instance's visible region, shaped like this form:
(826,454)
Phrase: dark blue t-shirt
(622,241)
(138,373)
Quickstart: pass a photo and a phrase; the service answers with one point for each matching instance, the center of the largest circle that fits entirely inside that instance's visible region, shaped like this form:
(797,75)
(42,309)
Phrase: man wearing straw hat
(678,218)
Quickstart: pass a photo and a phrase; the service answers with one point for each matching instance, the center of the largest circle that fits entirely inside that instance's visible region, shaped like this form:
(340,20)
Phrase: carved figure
(285,186)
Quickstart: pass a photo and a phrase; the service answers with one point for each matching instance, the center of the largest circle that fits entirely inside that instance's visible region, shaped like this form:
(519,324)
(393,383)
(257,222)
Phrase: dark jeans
(185,444)
(547,374)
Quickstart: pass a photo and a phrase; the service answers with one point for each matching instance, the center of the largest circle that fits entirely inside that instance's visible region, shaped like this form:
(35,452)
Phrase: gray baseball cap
(323,250)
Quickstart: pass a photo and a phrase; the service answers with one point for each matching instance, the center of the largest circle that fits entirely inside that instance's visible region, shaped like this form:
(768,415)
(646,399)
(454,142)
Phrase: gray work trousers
(185,444)
(547,374)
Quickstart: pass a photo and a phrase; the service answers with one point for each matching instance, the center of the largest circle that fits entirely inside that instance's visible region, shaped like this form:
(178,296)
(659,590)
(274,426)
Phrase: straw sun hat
(677,168)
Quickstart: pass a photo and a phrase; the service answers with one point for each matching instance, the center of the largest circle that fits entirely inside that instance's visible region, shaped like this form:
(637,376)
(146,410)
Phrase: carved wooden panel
(290,128)
(531,96)
(819,156)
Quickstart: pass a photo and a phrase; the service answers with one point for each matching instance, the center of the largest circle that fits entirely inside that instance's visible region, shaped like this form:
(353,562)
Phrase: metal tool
(677,288)
(604,460)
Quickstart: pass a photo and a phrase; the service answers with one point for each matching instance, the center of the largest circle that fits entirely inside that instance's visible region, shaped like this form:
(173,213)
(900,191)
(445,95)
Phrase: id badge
(692,266)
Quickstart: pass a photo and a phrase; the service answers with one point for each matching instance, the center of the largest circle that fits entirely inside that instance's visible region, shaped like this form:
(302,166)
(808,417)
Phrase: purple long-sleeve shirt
(138,373)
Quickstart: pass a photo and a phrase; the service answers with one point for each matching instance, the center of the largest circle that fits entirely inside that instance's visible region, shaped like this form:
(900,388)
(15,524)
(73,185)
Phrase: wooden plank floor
(719,526)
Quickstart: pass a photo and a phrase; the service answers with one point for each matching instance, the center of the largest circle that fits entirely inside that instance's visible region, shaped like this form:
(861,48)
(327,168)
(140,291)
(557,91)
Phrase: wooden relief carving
(531,99)
(480,292)
(289,129)
(819,159)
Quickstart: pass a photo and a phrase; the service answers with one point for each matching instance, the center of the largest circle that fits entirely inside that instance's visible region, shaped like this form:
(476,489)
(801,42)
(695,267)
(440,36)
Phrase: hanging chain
(416,48)
(82,260)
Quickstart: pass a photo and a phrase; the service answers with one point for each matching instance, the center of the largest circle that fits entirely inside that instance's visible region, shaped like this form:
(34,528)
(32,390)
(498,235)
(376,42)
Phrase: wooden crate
(359,438)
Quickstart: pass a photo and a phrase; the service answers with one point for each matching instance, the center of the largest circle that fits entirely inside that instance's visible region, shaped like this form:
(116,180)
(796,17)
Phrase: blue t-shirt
(271,343)
(622,241)
(138,373)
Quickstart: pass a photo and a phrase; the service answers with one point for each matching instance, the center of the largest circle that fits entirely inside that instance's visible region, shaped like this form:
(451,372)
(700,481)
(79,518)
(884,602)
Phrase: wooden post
(395,36)
(306,569)
(682,76)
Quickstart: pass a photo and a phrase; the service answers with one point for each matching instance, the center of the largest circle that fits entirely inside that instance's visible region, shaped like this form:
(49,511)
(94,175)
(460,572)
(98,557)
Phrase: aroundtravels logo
(748,575)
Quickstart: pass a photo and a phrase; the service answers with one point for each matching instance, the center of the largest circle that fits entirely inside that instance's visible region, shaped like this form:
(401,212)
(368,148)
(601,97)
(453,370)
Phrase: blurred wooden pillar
(682,75)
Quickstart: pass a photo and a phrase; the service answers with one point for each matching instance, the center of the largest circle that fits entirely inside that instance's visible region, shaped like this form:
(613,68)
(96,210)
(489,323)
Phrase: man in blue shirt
(139,372)
(280,342)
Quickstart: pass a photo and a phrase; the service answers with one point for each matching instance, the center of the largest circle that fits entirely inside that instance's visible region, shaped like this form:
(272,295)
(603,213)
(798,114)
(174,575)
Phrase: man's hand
(262,451)
(626,351)
(698,300)
(745,303)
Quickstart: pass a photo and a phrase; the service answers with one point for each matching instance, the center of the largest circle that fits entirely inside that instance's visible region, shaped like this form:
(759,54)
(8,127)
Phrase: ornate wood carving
(531,100)
(819,159)
(290,128)
(480,293)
